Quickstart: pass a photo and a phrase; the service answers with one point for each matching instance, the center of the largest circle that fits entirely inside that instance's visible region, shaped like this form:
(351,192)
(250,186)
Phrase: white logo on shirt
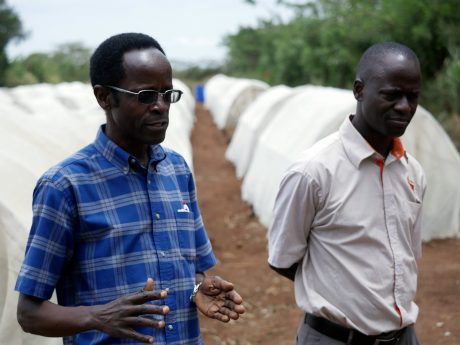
(184,207)
(411,184)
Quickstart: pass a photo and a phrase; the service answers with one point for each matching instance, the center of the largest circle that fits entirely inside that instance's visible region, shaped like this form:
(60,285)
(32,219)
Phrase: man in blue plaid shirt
(119,217)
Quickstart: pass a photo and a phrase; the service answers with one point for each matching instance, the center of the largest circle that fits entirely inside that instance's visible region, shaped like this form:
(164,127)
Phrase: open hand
(218,300)
(119,317)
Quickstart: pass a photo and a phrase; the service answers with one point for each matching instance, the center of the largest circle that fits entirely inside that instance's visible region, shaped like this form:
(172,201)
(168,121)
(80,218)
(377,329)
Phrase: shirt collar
(358,149)
(119,157)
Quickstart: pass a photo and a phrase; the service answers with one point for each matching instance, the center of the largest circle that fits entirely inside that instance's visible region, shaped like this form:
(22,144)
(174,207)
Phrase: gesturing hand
(218,300)
(119,317)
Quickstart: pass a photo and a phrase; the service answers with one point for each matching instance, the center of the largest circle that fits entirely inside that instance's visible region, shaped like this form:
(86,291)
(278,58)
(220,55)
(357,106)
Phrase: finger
(220,284)
(240,309)
(142,321)
(237,308)
(131,333)
(229,313)
(234,296)
(212,309)
(147,309)
(146,296)
(221,317)
(221,313)
(149,284)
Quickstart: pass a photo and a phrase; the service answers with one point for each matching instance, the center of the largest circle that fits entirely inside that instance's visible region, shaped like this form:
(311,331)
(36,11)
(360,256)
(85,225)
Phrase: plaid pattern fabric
(103,224)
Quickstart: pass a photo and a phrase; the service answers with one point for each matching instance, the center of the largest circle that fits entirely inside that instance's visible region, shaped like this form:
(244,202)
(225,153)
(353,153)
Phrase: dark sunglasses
(151,96)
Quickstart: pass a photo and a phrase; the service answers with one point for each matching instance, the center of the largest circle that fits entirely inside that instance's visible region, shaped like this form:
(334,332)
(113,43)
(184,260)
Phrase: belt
(351,336)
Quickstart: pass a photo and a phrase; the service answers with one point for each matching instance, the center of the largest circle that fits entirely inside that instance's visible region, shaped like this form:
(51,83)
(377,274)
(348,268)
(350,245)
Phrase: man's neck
(380,143)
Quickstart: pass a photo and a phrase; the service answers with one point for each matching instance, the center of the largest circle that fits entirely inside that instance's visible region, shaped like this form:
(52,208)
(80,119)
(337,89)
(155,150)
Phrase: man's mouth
(157,124)
(398,122)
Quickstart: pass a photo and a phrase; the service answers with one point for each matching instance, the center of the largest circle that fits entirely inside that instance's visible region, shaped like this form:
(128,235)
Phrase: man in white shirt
(346,224)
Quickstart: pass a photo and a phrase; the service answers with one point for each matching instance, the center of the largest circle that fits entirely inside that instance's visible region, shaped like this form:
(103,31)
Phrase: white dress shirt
(351,220)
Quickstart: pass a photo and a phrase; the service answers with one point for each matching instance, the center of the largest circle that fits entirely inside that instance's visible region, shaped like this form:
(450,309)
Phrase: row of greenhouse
(271,126)
(267,127)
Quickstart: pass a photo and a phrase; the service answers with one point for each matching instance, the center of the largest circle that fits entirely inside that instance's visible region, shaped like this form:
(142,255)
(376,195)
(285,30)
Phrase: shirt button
(132,160)
(162,253)
(157,215)
(148,181)
(126,170)
(170,327)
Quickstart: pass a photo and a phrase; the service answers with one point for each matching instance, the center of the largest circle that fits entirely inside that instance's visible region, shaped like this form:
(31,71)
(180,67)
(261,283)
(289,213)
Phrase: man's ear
(103,96)
(358,87)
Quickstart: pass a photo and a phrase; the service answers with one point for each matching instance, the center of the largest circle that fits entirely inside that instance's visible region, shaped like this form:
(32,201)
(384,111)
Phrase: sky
(188,30)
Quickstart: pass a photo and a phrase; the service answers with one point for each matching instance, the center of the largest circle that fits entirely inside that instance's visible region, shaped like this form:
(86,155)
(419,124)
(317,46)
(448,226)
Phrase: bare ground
(239,241)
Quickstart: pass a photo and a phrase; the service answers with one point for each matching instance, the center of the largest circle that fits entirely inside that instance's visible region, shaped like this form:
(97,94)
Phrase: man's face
(132,124)
(389,96)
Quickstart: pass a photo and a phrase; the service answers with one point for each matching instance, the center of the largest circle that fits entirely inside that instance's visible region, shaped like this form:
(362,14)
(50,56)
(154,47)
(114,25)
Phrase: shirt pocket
(412,211)
(185,223)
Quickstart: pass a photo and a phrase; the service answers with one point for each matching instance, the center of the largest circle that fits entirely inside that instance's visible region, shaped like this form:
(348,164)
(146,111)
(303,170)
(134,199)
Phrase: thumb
(221,284)
(149,285)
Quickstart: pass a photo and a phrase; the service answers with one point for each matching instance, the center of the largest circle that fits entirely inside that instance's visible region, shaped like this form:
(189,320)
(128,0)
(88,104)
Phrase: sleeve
(294,211)
(205,258)
(50,242)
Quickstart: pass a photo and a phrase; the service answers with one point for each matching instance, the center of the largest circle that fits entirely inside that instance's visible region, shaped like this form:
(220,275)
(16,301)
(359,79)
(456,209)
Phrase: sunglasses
(151,96)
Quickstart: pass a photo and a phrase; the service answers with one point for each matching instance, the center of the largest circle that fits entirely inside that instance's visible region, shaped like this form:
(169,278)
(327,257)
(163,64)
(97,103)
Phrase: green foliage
(325,39)
(68,62)
(72,61)
(10,30)
(443,94)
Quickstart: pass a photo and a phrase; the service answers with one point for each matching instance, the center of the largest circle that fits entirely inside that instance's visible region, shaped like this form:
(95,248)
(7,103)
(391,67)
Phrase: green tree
(326,37)
(72,61)
(10,30)
(324,40)
(42,67)
(68,62)
(17,74)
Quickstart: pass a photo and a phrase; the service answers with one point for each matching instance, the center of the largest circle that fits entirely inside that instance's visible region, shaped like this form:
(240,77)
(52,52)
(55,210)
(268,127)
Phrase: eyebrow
(397,89)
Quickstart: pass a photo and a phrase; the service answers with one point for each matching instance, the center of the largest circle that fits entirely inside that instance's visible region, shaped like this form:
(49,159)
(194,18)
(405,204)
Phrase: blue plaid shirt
(103,224)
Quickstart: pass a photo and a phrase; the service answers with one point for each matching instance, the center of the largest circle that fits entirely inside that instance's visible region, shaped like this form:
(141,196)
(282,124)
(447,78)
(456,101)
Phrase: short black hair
(106,63)
(375,54)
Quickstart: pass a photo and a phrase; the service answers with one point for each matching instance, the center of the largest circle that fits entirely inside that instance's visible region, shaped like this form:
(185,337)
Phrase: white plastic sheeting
(11,255)
(181,121)
(429,143)
(226,98)
(37,130)
(311,114)
(253,122)
(41,125)
(299,123)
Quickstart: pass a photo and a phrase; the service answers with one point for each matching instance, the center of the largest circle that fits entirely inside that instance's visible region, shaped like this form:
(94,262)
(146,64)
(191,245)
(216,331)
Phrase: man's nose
(160,104)
(403,105)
